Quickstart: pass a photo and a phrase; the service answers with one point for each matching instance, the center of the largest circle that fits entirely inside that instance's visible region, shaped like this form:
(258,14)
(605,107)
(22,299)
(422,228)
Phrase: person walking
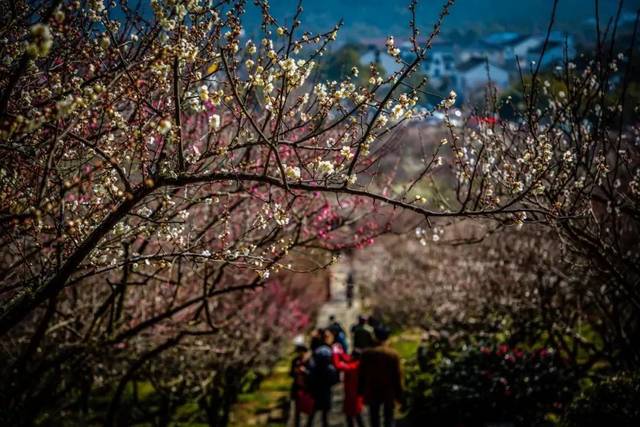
(338,333)
(322,377)
(353,402)
(361,334)
(298,371)
(350,291)
(380,379)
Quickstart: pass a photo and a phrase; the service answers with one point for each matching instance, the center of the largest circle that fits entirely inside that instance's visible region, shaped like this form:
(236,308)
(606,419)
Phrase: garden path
(347,316)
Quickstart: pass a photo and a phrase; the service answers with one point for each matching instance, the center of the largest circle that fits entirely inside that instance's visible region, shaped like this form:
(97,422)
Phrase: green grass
(144,388)
(406,343)
(270,396)
(187,411)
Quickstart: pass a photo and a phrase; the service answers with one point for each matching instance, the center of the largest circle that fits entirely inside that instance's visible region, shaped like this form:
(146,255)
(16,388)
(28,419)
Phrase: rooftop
(471,63)
(504,39)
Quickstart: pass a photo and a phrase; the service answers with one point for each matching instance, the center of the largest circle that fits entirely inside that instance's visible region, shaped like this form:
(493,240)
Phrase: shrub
(614,401)
(493,384)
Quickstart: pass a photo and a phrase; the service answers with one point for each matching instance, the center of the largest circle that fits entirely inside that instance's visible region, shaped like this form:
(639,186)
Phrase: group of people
(370,373)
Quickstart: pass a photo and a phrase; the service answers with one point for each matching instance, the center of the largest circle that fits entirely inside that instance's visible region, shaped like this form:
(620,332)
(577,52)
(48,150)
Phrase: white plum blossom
(292,172)
(42,41)
(568,156)
(397,111)
(382,120)
(391,49)
(251,47)
(325,167)
(203,92)
(105,42)
(214,121)
(449,101)
(346,152)
(164,126)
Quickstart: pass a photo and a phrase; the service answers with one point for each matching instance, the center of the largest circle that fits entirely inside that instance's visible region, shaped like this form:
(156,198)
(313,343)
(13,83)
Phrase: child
(298,372)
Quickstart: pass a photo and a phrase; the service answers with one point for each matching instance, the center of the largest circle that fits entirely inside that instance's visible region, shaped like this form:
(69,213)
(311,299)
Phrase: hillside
(379,17)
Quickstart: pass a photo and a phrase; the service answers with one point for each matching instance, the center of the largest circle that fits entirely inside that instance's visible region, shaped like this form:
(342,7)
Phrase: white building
(440,62)
(476,74)
(503,48)
(559,47)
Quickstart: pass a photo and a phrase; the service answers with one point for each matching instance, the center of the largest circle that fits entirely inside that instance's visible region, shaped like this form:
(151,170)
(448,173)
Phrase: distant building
(559,47)
(509,49)
(440,62)
(477,73)
(513,44)
(503,48)
(493,59)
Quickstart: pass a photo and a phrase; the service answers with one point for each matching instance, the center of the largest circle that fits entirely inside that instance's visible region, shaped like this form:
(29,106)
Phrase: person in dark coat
(374,323)
(351,287)
(322,376)
(338,332)
(380,379)
(317,339)
(361,334)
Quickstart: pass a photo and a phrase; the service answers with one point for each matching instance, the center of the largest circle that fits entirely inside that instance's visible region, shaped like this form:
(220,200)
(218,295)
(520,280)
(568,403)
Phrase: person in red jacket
(353,403)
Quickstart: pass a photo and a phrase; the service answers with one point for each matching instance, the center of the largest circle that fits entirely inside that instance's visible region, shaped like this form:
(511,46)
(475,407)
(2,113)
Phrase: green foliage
(337,65)
(406,345)
(615,401)
(512,102)
(549,84)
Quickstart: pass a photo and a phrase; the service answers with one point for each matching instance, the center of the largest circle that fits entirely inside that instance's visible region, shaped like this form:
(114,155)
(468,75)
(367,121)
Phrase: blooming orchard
(154,162)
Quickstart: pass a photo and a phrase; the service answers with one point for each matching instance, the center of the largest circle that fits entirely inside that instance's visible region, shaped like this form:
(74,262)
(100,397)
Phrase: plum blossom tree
(515,288)
(572,156)
(122,127)
(158,162)
(569,161)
